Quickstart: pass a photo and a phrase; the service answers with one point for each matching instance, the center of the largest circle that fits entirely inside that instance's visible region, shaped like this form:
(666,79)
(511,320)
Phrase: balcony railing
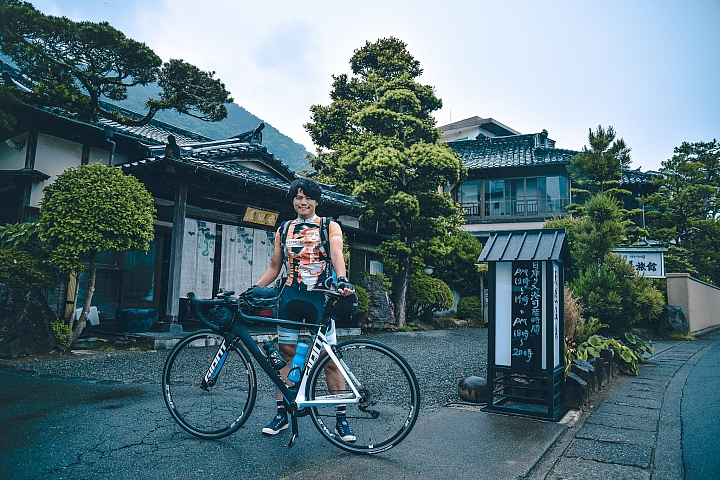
(535,207)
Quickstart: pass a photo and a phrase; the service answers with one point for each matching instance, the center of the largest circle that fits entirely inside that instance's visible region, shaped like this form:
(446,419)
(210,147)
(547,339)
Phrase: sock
(340,411)
(281,407)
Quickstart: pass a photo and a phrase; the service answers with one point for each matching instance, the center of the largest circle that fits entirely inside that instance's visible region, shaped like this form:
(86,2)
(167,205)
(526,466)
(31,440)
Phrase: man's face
(304,206)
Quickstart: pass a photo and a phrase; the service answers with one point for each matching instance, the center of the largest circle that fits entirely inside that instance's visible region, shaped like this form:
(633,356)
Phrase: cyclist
(309,265)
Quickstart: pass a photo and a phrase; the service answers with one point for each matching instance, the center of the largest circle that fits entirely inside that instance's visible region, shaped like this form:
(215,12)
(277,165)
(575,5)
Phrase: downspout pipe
(109,132)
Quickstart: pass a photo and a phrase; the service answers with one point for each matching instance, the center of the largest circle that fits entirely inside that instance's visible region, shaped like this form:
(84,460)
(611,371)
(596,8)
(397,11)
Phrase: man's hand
(344,287)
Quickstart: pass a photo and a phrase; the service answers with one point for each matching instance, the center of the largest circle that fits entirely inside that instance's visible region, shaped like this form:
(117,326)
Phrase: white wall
(10,157)
(53,156)
(700,301)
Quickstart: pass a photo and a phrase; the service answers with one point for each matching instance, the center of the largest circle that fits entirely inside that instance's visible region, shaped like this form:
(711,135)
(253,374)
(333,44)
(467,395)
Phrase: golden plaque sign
(262,217)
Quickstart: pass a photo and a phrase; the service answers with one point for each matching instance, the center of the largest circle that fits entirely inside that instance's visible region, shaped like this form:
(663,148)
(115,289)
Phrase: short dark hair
(310,188)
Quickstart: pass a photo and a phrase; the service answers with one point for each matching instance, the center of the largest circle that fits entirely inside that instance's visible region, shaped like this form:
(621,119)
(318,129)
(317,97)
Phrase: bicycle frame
(294,397)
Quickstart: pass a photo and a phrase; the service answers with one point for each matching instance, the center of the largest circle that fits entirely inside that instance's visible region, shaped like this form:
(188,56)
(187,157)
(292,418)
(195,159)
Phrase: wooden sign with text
(261,217)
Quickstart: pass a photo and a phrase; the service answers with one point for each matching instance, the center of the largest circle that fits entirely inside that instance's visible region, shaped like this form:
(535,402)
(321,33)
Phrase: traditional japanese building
(515,181)
(218,204)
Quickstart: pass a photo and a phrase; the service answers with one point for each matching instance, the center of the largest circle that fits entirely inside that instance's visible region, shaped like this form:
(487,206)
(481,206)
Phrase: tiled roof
(539,245)
(510,151)
(240,173)
(636,176)
(489,124)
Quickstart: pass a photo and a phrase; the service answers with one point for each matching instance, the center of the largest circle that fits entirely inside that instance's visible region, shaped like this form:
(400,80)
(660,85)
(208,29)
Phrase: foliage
(404,328)
(627,357)
(363,299)
(470,308)
(453,256)
(8,101)
(23,261)
(637,345)
(684,213)
(687,336)
(593,234)
(599,168)
(63,333)
(89,209)
(21,269)
(573,314)
(427,295)
(377,140)
(586,328)
(73,65)
(619,297)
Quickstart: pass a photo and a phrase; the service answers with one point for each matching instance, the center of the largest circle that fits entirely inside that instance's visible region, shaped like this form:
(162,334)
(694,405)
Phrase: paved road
(700,414)
(102,416)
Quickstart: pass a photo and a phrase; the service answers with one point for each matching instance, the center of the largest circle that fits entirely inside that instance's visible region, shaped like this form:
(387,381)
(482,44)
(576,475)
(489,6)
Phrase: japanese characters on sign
(262,217)
(645,261)
(526,341)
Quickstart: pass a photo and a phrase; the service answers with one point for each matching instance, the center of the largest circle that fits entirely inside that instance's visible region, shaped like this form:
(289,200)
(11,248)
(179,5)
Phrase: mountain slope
(238,121)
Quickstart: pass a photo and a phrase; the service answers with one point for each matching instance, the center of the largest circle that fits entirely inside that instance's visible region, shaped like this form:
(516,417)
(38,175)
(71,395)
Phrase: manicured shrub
(427,295)
(470,308)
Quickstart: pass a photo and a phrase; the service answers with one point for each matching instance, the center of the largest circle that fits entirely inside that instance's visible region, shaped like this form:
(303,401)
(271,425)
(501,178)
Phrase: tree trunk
(77,327)
(402,288)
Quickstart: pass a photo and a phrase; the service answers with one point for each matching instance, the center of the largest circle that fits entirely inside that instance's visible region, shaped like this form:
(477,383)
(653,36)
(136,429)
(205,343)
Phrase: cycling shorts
(302,306)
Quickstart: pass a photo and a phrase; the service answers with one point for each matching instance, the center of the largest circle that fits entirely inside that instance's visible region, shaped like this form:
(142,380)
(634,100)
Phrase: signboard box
(526,330)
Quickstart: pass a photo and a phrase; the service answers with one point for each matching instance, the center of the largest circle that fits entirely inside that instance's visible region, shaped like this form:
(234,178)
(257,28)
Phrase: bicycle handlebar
(215,302)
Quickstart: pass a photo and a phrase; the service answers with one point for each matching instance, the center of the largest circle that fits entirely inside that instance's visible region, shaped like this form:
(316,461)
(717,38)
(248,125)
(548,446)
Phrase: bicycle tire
(214,411)
(391,397)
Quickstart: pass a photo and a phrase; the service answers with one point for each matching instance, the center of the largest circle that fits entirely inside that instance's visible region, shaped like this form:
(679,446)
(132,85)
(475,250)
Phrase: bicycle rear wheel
(390,397)
(213,409)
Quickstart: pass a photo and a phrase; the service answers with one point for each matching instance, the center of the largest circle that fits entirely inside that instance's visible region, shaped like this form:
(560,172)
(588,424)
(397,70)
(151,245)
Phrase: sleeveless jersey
(308,259)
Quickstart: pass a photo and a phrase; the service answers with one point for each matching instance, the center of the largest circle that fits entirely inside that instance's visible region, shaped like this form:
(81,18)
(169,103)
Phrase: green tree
(454,257)
(599,168)
(617,296)
(599,227)
(685,214)
(377,139)
(74,65)
(608,287)
(89,209)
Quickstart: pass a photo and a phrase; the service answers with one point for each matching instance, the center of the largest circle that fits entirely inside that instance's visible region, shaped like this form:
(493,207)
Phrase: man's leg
(287,343)
(337,386)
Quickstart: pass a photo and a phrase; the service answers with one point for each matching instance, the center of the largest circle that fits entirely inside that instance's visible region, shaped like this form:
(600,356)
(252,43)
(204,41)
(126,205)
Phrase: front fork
(218,361)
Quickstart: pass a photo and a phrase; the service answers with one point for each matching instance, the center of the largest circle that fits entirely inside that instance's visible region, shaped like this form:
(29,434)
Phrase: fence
(699,300)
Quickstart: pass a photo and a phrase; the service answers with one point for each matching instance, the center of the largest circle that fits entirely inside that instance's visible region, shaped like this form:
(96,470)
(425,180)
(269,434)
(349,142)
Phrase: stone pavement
(647,428)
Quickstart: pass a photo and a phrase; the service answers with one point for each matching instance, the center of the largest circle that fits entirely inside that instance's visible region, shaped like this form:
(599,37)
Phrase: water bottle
(298,362)
(273,355)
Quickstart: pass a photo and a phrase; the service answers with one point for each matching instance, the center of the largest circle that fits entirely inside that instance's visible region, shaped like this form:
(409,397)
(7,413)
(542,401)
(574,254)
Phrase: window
(514,197)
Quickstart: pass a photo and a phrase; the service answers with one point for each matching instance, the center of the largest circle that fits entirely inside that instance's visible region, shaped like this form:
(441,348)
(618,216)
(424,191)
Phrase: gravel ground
(440,359)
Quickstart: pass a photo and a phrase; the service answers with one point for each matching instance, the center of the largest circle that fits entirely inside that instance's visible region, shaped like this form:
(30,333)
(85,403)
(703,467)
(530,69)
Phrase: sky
(649,68)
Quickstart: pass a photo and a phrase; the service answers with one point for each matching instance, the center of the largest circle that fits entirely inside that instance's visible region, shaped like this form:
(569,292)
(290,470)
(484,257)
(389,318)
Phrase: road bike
(209,381)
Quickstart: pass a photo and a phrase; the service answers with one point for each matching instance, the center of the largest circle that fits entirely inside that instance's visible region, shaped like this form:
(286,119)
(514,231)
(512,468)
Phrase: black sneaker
(278,424)
(343,430)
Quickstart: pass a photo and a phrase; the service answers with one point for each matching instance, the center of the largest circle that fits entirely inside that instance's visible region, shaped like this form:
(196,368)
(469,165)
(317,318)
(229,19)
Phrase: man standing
(310,265)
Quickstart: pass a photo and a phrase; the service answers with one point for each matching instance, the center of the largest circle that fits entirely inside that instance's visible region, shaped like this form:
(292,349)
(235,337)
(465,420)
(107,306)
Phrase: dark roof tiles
(510,151)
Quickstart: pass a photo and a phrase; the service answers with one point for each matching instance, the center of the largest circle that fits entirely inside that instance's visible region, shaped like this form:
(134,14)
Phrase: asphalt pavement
(101,415)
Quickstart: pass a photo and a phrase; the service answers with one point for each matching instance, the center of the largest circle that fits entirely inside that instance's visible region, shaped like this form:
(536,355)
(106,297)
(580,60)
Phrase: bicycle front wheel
(209,386)
(390,397)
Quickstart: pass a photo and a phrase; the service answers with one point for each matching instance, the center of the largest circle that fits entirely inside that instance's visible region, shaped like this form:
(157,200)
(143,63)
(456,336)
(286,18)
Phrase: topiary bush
(470,308)
(427,295)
